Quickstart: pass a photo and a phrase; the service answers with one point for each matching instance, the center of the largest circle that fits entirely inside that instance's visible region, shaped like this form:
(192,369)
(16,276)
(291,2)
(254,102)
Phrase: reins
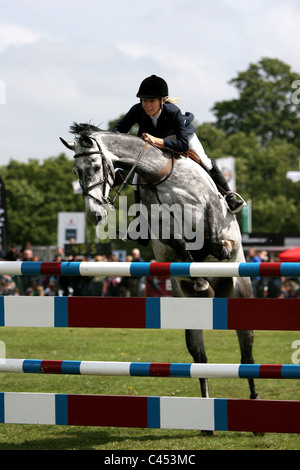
(124,182)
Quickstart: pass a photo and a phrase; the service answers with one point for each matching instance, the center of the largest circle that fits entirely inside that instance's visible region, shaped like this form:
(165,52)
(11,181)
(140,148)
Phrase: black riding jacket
(171,122)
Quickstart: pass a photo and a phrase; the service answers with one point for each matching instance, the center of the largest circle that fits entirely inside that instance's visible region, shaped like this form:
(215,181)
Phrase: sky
(69,60)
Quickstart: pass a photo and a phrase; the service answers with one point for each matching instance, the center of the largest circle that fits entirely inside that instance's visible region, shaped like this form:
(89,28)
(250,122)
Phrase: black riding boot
(234,205)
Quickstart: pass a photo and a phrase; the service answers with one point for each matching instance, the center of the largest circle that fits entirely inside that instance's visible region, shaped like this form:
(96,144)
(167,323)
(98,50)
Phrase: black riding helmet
(153,87)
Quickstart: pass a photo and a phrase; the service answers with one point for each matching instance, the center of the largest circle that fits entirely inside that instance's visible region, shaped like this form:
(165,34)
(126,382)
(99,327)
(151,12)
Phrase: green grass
(139,345)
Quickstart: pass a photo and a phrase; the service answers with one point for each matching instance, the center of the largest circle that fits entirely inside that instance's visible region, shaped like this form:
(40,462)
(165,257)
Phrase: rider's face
(152,106)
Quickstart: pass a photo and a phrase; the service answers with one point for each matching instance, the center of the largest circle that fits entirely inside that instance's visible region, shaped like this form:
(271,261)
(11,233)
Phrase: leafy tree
(35,193)
(112,124)
(260,176)
(264,105)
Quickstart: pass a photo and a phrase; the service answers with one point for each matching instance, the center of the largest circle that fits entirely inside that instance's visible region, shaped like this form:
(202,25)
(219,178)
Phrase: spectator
(13,254)
(51,289)
(7,286)
(37,288)
(26,281)
(290,290)
(258,283)
(125,284)
(59,255)
(134,283)
(113,286)
(96,284)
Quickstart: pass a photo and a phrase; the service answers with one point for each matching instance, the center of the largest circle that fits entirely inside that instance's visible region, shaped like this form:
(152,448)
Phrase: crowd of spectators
(43,285)
(272,287)
(263,287)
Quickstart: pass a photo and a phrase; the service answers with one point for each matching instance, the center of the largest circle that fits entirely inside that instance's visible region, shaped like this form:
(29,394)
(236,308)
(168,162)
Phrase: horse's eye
(96,168)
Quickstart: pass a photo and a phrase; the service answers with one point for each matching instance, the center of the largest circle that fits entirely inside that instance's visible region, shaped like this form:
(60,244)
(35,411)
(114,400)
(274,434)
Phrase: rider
(161,123)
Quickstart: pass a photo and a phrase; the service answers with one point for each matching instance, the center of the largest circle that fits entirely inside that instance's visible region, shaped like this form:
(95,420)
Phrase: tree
(112,124)
(35,193)
(260,176)
(265,105)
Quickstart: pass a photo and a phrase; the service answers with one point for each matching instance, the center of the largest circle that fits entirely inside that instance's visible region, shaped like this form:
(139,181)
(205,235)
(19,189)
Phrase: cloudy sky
(69,60)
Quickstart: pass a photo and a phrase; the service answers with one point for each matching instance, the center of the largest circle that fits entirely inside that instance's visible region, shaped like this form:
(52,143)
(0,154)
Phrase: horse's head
(95,173)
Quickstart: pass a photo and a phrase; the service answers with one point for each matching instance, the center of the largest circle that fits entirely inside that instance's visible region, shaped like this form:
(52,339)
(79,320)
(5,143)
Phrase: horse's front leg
(179,246)
(218,248)
(245,338)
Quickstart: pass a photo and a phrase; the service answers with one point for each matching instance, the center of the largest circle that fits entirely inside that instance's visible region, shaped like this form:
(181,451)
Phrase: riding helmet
(153,87)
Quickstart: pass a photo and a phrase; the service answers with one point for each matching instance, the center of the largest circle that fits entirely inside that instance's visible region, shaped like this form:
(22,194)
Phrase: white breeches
(195,144)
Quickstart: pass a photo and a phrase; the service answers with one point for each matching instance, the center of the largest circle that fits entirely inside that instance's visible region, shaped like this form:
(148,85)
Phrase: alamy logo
(161,221)
(295,95)
(2,92)
(296,354)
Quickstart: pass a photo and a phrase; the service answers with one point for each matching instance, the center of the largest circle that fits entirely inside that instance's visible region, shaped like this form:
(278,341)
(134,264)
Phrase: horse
(167,178)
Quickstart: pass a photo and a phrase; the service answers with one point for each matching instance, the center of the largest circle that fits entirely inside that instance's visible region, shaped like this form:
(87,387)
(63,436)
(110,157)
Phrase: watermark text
(296,353)
(296,94)
(160,222)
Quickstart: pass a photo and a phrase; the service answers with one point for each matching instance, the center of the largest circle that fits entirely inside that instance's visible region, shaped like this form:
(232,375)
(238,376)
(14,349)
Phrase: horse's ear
(87,140)
(68,143)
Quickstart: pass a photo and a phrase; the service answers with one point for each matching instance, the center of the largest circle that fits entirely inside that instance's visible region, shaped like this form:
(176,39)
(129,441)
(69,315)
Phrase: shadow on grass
(77,439)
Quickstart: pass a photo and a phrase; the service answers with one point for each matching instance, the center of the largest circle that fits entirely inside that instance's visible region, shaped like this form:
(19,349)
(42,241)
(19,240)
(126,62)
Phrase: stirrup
(240,203)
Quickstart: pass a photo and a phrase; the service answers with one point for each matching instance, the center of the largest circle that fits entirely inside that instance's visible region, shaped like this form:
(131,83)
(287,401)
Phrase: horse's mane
(83,129)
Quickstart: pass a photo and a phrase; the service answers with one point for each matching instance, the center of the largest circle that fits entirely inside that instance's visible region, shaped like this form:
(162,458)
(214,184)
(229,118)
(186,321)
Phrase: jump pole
(152,369)
(211,414)
(125,269)
(150,312)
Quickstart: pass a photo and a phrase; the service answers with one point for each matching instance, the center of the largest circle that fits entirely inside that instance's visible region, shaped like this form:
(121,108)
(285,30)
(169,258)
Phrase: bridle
(106,171)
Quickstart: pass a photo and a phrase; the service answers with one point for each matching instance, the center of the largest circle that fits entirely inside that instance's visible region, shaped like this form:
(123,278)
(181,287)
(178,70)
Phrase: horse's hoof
(219,251)
(225,253)
(208,433)
(254,397)
(229,244)
(200,285)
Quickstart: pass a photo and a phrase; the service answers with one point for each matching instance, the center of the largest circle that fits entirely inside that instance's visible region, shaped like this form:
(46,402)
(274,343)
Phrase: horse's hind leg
(194,338)
(246,337)
(195,345)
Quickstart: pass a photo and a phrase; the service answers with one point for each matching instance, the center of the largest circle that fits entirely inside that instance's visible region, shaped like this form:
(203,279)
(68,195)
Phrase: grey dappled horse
(170,179)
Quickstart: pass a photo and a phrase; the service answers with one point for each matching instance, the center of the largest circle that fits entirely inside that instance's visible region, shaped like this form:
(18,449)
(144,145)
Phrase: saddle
(195,157)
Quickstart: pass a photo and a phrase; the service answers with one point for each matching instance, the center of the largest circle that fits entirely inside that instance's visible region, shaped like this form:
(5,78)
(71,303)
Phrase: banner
(3,217)
(71,228)
(227,166)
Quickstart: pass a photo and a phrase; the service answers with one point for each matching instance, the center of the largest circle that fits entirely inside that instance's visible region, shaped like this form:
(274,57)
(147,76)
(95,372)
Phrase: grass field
(140,345)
